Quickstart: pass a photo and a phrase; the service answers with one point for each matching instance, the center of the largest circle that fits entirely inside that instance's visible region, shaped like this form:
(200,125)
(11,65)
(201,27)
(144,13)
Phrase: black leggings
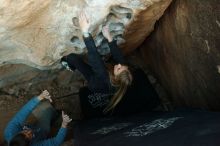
(95,73)
(75,61)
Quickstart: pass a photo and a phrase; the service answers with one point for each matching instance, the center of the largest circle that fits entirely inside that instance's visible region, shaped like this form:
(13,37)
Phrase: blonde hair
(121,81)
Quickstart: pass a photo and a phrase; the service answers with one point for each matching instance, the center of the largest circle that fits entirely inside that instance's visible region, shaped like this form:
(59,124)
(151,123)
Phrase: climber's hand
(66,120)
(106,33)
(45,95)
(84,22)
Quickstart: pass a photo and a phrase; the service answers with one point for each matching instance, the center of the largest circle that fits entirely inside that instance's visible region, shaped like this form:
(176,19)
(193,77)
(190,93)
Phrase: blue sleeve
(116,52)
(94,59)
(55,141)
(15,125)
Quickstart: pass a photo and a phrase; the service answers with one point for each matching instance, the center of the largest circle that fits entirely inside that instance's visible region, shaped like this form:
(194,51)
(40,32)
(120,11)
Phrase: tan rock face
(38,33)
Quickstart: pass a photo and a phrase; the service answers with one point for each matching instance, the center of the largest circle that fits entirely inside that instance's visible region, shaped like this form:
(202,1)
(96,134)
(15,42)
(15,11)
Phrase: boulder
(39,33)
(183,52)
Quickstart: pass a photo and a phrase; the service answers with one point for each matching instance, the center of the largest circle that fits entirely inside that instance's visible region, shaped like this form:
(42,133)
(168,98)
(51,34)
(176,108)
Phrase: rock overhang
(39,33)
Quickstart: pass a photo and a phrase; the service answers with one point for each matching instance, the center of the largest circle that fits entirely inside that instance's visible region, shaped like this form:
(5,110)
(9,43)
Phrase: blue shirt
(15,126)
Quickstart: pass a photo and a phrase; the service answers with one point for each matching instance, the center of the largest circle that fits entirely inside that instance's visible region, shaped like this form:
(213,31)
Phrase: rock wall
(39,33)
(34,35)
(183,51)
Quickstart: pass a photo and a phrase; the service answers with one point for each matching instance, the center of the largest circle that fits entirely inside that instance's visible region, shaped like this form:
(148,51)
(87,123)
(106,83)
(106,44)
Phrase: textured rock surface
(184,52)
(38,33)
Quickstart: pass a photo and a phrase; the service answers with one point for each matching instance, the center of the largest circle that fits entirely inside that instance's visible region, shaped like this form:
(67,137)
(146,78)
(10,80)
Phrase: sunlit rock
(38,33)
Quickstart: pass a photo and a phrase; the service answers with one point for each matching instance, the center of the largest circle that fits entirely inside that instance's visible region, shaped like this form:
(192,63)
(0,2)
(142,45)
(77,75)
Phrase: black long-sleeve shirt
(140,95)
(100,81)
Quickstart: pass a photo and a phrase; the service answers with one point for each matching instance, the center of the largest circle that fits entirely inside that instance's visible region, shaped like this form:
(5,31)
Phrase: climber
(18,133)
(114,89)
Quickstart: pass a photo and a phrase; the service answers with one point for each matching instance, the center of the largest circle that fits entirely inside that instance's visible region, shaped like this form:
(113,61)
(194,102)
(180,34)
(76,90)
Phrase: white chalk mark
(148,128)
(58,4)
(207,44)
(115,127)
(218,68)
(218,23)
